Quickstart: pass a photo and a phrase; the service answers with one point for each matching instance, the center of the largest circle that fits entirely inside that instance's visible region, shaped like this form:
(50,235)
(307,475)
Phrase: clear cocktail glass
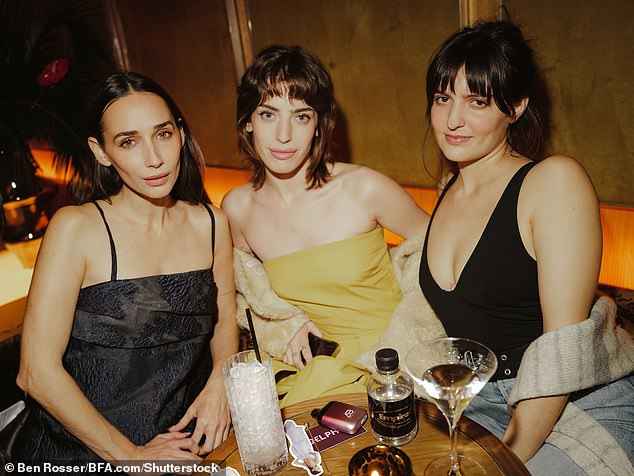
(255,413)
(450,372)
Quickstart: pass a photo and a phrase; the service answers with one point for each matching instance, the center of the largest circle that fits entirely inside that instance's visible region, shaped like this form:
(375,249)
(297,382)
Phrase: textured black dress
(139,350)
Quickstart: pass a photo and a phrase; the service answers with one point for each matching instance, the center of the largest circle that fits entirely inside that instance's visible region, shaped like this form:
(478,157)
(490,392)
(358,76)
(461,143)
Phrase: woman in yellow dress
(315,224)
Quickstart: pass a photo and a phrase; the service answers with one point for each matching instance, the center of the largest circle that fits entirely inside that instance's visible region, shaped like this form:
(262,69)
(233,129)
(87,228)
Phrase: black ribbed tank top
(496,298)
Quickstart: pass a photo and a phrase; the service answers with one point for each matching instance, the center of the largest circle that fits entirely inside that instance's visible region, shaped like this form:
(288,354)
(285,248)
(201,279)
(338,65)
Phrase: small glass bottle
(393,415)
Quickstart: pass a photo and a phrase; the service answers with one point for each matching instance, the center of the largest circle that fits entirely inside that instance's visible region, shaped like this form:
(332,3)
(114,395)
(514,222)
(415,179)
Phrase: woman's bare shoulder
(354,171)
(236,206)
(219,215)
(558,174)
(198,212)
(74,229)
(72,218)
(237,200)
(361,177)
(558,164)
(557,185)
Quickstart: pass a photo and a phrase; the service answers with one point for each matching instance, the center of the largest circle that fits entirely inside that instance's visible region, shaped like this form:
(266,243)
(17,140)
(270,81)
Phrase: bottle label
(393,419)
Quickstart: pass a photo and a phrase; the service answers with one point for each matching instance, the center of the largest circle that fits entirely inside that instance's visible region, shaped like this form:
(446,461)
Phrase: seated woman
(316,225)
(512,252)
(132,297)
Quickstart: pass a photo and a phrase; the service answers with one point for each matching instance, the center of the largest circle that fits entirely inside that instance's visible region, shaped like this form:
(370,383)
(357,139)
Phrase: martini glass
(450,372)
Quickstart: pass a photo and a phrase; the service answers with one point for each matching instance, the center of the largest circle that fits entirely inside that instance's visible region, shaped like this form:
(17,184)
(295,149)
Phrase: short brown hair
(275,71)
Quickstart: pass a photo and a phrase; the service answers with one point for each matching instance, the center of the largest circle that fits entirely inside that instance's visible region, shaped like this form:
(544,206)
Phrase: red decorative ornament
(53,72)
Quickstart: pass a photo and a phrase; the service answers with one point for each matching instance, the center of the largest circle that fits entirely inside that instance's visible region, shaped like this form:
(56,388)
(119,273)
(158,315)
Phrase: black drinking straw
(255,339)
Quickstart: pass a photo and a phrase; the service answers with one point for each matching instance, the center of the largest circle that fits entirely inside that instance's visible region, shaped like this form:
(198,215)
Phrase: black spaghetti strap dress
(139,350)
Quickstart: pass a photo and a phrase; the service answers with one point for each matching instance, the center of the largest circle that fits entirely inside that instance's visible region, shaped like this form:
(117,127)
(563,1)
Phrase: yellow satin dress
(349,290)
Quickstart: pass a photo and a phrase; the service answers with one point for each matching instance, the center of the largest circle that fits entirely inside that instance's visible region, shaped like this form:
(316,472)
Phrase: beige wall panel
(377,52)
(585,48)
(185,46)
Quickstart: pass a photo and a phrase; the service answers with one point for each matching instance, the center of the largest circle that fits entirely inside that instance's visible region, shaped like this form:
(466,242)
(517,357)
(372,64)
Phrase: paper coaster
(323,438)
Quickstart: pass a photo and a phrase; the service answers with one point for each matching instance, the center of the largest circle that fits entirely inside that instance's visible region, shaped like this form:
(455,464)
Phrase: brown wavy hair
(275,71)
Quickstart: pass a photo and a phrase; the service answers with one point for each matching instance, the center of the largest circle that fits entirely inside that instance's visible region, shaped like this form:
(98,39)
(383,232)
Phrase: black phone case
(319,346)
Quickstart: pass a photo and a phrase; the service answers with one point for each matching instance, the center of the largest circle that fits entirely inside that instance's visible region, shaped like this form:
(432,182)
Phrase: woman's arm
(391,205)
(566,241)
(210,407)
(48,321)
(235,205)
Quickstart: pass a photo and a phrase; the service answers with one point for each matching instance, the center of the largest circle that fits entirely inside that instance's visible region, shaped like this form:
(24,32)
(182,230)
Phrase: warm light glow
(219,180)
(617,264)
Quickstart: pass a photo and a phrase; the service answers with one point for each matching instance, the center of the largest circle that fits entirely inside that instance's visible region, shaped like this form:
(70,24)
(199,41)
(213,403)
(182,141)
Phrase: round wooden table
(431,442)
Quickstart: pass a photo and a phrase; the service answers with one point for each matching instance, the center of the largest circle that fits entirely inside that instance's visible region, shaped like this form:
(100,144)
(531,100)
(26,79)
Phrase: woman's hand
(299,346)
(173,446)
(211,411)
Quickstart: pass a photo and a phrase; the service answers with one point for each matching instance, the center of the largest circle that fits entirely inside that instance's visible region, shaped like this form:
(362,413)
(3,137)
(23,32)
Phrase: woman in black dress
(132,297)
(512,258)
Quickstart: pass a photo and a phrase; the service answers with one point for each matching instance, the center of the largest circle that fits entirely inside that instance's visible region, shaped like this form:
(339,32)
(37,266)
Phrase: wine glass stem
(452,419)
(453,440)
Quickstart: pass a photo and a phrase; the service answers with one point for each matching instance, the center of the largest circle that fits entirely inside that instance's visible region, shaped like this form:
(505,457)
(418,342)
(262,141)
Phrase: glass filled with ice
(255,413)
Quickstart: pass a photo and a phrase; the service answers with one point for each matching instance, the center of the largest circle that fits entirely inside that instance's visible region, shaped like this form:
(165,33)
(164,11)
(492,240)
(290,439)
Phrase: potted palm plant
(52,54)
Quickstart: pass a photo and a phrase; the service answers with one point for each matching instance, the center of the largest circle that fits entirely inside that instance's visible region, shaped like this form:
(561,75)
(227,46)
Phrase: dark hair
(101,182)
(275,71)
(498,63)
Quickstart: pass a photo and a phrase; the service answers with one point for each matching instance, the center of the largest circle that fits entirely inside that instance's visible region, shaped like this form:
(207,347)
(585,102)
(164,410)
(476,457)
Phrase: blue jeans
(611,405)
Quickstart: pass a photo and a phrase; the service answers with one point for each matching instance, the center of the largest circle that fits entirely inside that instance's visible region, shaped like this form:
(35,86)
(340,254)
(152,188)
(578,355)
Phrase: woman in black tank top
(132,306)
(513,248)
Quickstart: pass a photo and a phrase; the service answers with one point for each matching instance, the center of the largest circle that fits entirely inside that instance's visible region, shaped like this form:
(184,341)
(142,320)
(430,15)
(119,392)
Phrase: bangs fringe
(283,82)
(484,76)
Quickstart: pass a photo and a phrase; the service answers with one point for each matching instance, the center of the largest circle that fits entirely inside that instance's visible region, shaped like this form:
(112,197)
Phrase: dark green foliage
(34,34)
